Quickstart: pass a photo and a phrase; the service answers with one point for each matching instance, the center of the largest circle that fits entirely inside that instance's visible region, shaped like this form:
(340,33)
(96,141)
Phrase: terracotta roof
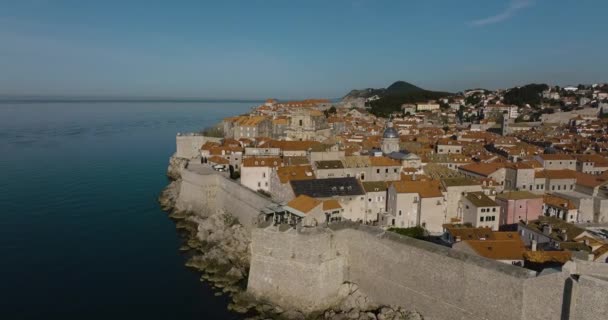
(479,199)
(518,195)
(595,158)
(261,162)
(556,156)
(249,121)
(383,162)
(374,186)
(600,251)
(329,164)
(281,121)
(484,169)
(426,188)
(356,161)
(556,174)
(459,181)
(556,201)
(499,249)
(589,180)
(548,256)
(331,205)
(465,233)
(293,145)
(304,203)
(218,160)
(288,173)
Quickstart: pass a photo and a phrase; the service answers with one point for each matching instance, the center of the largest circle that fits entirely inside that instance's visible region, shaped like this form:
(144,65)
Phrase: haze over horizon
(262,49)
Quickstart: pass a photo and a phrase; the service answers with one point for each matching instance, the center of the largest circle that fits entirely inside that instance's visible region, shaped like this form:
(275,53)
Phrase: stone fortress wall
(305,268)
(188,145)
(210,193)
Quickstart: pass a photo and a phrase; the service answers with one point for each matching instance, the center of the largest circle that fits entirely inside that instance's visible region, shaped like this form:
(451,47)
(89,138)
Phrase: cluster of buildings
(532,197)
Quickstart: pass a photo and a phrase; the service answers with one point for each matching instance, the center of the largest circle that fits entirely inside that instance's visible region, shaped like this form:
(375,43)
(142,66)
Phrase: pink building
(519,205)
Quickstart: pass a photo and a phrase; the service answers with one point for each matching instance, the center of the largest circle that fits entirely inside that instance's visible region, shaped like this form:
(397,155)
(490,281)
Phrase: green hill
(394,96)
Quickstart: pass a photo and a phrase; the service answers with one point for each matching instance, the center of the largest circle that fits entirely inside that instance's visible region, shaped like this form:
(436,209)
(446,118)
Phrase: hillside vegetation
(391,98)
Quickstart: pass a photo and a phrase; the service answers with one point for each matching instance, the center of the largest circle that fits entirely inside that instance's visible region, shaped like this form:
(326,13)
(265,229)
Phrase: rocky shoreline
(219,248)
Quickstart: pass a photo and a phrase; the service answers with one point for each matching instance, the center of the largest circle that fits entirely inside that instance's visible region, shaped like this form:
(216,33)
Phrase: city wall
(188,146)
(210,193)
(304,269)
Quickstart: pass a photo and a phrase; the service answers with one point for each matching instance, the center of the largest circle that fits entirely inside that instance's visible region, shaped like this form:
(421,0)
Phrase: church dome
(390,132)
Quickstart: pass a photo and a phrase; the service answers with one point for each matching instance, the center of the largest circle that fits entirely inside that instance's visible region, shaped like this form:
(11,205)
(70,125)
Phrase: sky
(254,49)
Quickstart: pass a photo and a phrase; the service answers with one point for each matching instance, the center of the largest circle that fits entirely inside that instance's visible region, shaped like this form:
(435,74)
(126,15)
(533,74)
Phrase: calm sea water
(81,234)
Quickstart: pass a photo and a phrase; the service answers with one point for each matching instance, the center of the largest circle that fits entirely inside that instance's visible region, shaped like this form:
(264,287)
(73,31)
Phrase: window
(467,206)
(493,209)
(370,199)
(480,219)
(483,210)
(399,212)
(395,170)
(263,174)
(259,184)
(300,123)
(386,170)
(377,170)
(552,187)
(571,186)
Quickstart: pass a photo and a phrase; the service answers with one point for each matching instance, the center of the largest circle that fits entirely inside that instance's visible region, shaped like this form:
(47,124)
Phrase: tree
(330,111)
(413,232)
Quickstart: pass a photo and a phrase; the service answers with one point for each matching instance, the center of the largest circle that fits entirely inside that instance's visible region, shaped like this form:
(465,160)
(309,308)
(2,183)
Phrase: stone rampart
(188,146)
(207,194)
(304,269)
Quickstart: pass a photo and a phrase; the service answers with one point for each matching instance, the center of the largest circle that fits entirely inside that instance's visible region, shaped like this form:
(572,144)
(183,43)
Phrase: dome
(390,132)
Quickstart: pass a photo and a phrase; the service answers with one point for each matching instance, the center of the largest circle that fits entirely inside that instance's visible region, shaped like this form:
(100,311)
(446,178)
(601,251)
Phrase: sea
(81,233)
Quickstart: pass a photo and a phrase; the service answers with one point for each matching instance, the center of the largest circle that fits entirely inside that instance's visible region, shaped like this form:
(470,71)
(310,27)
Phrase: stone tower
(505,124)
(390,139)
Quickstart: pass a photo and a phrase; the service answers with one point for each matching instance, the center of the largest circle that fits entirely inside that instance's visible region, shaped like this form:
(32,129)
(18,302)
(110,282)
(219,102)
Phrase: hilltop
(384,101)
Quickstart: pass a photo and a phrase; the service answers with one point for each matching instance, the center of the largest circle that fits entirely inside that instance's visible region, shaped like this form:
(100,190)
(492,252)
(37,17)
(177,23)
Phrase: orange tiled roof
(289,173)
(484,169)
(548,256)
(218,160)
(556,174)
(383,162)
(558,202)
(331,205)
(557,156)
(589,180)
(425,188)
(512,249)
(304,203)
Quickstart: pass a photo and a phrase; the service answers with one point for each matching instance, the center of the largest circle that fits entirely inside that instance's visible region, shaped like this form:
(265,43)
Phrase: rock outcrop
(176,165)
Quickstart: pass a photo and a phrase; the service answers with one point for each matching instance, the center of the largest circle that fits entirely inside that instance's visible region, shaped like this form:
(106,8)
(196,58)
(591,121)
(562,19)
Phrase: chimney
(533,245)
(564,235)
(547,229)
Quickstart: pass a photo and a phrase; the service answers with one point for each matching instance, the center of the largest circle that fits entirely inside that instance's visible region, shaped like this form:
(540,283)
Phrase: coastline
(218,246)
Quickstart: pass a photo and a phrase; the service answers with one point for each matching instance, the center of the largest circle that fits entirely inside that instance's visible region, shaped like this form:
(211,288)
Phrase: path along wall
(304,269)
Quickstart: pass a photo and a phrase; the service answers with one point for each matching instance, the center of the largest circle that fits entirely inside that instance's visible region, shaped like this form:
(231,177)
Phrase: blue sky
(295,49)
